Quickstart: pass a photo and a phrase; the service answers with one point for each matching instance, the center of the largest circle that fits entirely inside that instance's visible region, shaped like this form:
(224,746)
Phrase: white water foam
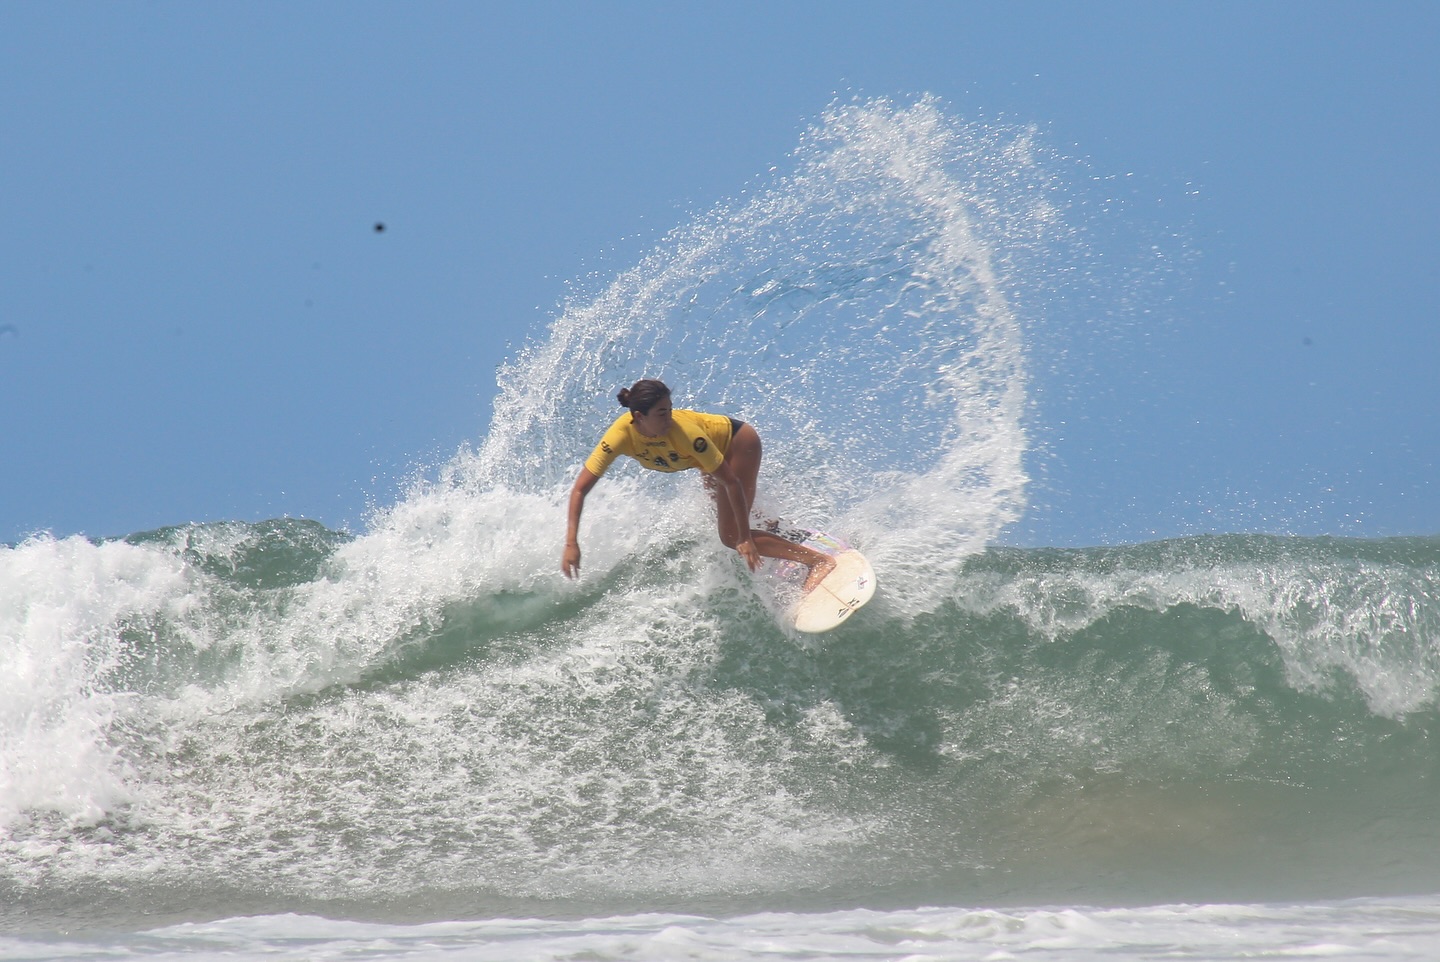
(63,605)
(1379,929)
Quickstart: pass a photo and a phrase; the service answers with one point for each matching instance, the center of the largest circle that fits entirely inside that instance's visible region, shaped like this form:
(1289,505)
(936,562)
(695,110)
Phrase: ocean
(418,741)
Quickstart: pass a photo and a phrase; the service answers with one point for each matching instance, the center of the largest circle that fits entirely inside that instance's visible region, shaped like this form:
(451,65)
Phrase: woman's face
(656,423)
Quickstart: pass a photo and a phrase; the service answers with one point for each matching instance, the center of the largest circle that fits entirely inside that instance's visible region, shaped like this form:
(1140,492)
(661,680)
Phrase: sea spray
(854,308)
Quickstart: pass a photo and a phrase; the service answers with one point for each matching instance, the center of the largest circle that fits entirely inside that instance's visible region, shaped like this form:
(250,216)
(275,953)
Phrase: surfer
(727,452)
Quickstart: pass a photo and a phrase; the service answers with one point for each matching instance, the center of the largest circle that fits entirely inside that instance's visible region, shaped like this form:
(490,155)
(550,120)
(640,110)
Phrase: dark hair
(643,395)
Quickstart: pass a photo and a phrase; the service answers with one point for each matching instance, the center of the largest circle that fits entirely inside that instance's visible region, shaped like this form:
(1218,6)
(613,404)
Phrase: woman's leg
(744,457)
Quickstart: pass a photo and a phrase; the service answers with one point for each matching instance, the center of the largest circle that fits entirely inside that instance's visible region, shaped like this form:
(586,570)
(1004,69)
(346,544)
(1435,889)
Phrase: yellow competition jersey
(695,440)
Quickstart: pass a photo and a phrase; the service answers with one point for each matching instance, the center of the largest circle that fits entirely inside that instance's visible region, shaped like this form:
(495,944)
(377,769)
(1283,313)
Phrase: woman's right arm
(570,558)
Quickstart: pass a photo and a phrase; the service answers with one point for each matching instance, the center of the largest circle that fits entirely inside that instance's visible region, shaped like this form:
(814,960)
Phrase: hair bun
(643,395)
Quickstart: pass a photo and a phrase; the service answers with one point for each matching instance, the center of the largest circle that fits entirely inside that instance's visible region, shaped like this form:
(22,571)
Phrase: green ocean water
(1237,716)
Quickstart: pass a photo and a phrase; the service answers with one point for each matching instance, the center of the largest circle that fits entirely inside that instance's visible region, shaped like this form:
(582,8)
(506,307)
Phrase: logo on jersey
(701,445)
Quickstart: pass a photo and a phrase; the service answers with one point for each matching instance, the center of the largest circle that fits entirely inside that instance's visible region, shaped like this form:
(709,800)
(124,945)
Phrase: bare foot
(818,571)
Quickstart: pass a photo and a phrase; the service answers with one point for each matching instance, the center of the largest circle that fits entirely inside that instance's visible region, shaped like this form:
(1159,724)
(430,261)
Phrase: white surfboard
(844,590)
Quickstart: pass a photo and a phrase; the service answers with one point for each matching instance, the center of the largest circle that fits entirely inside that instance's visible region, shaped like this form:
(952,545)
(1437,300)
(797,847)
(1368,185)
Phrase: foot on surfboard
(818,572)
(839,595)
(830,594)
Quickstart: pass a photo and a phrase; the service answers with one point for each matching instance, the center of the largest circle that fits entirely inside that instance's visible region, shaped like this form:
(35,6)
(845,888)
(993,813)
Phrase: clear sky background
(200,322)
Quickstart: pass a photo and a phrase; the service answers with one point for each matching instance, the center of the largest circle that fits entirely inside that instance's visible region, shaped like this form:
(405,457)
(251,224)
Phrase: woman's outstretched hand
(750,553)
(570,560)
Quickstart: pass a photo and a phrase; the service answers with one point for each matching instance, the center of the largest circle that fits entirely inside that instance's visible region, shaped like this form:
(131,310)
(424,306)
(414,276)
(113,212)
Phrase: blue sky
(199,320)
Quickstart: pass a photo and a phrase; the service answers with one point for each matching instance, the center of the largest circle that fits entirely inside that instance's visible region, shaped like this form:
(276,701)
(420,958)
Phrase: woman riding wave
(727,452)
